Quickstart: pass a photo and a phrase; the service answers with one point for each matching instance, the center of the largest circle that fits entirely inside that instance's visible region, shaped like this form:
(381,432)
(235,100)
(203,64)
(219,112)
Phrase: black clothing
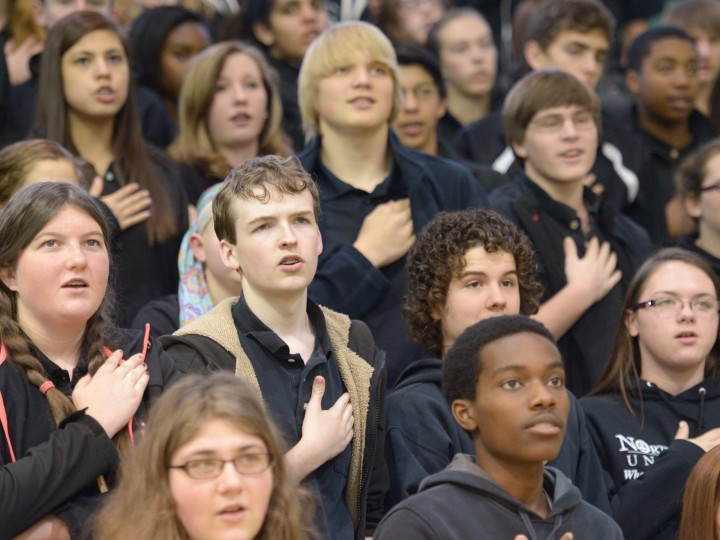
(447,128)
(214,342)
(286,385)
(163,314)
(288,86)
(56,468)
(143,271)
(463,502)
(657,187)
(688,242)
(345,280)
(618,165)
(646,466)
(423,437)
(488,177)
(586,346)
(18,105)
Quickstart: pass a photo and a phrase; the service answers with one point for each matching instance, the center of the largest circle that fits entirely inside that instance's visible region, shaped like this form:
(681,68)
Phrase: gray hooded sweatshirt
(463,503)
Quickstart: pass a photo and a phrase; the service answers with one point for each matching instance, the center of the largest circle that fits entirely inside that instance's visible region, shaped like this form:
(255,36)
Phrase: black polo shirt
(286,385)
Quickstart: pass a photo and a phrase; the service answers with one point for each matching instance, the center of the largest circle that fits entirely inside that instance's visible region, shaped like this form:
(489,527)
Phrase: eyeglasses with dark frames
(249,464)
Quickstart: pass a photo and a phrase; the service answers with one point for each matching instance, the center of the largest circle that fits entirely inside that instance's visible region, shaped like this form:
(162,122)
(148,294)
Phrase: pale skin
(325,433)
(130,205)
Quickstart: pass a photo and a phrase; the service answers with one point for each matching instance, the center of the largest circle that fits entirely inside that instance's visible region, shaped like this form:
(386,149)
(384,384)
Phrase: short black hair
(462,364)
(640,48)
(411,54)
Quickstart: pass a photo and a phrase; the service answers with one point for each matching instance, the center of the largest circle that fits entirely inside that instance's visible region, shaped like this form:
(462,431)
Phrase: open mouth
(75,284)
(289,261)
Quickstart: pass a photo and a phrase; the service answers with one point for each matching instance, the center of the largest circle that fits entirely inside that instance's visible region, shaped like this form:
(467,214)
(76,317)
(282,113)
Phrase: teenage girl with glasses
(656,409)
(210,466)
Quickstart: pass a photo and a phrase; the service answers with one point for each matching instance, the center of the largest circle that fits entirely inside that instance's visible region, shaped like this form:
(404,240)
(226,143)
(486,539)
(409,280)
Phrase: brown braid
(18,348)
(22,219)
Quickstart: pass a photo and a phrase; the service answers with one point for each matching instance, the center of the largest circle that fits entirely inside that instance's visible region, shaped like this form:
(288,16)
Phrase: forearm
(563,310)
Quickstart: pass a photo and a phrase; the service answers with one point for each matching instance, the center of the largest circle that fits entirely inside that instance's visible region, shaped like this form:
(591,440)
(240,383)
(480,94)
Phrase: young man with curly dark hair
(465,267)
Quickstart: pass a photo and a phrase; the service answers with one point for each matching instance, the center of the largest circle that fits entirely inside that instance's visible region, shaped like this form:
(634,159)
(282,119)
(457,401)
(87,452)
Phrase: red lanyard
(3,412)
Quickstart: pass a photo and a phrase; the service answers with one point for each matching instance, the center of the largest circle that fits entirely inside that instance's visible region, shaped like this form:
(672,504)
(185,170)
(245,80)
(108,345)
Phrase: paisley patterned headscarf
(193,293)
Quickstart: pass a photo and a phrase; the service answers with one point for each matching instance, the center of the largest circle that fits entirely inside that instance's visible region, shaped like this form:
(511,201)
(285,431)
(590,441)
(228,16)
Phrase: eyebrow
(270,217)
(479,273)
(204,452)
(517,367)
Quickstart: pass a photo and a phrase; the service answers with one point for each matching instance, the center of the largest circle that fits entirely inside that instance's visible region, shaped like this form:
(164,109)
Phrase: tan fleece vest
(355,373)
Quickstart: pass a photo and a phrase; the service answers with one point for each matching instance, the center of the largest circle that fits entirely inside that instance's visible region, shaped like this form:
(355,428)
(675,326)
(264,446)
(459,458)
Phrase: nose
(239,94)
(686,311)
(287,235)
(591,68)
(409,102)
(362,76)
(229,479)
(102,68)
(496,298)
(569,129)
(76,257)
(307,11)
(542,396)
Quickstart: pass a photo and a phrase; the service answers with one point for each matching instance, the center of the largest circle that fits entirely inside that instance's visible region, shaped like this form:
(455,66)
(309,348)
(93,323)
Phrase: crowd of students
(274,274)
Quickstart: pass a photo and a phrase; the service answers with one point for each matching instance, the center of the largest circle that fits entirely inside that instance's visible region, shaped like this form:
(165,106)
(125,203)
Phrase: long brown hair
(142,506)
(27,212)
(623,371)
(698,520)
(132,161)
(194,144)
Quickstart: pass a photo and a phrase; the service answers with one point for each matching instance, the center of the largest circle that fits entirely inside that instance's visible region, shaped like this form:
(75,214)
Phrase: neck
(431,145)
(569,193)
(60,343)
(220,291)
(93,140)
(239,154)
(359,159)
(674,382)
(676,134)
(523,481)
(287,317)
(171,108)
(467,108)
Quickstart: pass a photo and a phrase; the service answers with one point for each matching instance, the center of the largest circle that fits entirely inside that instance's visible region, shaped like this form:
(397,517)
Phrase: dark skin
(518,417)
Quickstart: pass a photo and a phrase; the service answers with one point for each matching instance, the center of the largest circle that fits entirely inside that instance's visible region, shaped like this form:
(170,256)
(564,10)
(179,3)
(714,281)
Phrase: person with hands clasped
(63,393)
(587,251)
(656,409)
(319,373)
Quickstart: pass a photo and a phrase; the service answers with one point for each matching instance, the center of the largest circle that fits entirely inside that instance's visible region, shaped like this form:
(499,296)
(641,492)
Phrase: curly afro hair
(439,255)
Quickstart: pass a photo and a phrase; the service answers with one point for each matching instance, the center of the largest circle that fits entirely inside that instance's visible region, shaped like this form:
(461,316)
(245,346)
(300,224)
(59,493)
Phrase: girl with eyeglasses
(656,409)
(210,466)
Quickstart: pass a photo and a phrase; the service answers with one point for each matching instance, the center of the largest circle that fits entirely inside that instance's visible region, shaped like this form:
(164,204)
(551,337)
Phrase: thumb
(318,390)
(683,431)
(96,188)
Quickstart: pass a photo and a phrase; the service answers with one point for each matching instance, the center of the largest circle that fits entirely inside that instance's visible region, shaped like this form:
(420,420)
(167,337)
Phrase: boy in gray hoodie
(505,382)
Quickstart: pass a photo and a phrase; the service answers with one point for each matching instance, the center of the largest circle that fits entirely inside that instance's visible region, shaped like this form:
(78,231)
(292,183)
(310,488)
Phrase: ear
(691,204)
(534,55)
(38,14)
(519,149)
(197,247)
(631,323)
(442,108)
(227,254)
(263,34)
(7,275)
(632,80)
(464,414)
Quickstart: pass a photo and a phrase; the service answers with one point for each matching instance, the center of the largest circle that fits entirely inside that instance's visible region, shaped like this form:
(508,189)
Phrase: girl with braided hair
(64,393)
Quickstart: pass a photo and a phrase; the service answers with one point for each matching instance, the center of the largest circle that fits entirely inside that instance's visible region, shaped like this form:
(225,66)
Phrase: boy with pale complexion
(375,194)
(587,251)
(574,36)
(504,381)
(319,373)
